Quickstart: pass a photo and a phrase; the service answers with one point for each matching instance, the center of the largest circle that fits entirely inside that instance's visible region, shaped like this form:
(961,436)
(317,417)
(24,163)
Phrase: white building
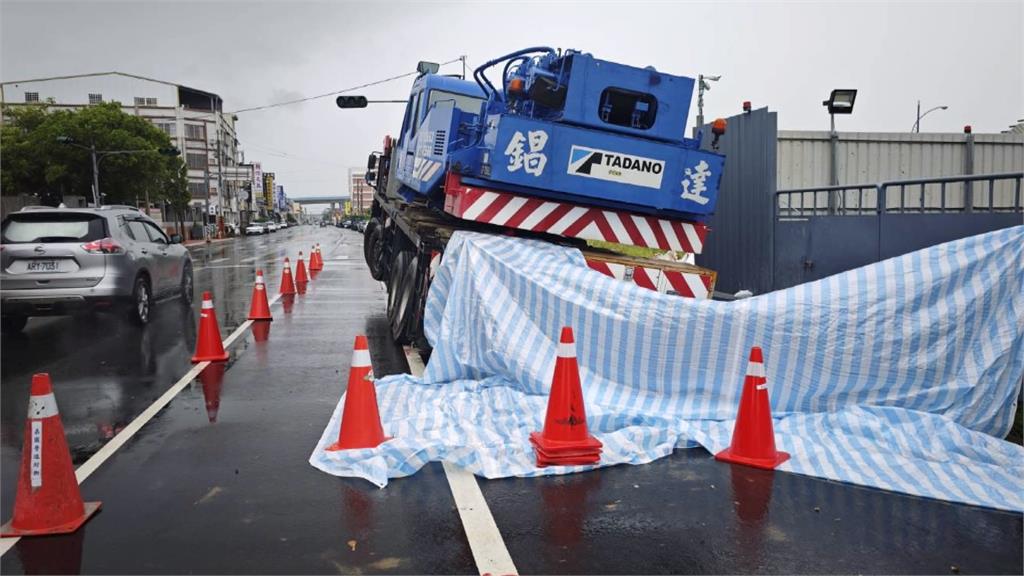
(194,120)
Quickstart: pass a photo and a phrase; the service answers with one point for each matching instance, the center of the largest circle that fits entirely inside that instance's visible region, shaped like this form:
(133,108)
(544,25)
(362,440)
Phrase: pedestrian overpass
(336,199)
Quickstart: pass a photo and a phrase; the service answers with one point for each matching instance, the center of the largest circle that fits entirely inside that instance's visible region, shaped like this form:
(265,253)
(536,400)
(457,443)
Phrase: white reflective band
(762,386)
(756,369)
(259,278)
(360,358)
(566,350)
(36,467)
(42,406)
(207,304)
(259,285)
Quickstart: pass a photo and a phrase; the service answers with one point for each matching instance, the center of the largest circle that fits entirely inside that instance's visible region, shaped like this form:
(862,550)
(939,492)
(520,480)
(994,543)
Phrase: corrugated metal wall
(739,246)
(872,157)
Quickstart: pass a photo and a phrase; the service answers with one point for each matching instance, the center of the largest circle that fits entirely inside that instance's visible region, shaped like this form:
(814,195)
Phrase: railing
(998,193)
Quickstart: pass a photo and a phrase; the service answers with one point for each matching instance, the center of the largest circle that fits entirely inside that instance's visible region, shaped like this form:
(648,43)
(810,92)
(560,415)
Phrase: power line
(335,93)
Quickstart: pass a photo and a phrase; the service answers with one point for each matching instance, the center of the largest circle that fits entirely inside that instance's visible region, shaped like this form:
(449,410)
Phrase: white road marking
(485,541)
(219,260)
(122,437)
(249,259)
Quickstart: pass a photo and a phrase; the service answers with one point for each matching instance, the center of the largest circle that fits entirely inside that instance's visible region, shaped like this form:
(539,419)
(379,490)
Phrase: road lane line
(219,260)
(122,437)
(249,259)
(489,551)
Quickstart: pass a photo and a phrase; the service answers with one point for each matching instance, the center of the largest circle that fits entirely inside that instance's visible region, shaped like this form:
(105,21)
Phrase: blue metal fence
(826,230)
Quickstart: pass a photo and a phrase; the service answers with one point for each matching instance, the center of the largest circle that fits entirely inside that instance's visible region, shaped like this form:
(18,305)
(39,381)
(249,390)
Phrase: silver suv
(56,261)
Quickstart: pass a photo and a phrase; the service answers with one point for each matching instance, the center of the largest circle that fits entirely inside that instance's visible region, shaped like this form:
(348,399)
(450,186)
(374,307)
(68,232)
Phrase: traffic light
(351,101)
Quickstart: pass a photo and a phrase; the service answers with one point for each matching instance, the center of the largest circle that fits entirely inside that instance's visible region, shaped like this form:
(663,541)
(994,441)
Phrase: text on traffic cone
(260,307)
(753,437)
(360,418)
(209,347)
(48,500)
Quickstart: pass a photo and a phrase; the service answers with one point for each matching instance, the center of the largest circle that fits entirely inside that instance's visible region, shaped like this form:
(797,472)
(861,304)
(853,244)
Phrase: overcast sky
(784,55)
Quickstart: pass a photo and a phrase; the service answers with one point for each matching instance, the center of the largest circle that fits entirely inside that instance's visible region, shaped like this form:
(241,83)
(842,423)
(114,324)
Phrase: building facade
(195,121)
(359,192)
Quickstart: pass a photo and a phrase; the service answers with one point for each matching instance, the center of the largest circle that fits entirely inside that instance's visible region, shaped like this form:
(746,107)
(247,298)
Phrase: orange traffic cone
(48,500)
(209,348)
(260,308)
(319,257)
(753,439)
(360,419)
(300,271)
(314,260)
(287,286)
(565,439)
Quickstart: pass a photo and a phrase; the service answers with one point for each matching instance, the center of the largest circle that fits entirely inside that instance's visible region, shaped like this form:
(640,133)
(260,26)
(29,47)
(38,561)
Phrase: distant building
(193,119)
(359,192)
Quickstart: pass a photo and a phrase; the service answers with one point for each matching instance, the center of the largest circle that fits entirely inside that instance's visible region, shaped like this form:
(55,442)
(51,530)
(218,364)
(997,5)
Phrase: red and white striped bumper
(696,283)
(570,220)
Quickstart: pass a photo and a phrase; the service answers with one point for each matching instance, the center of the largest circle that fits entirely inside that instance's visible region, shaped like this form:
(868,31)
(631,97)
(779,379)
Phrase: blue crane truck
(566,148)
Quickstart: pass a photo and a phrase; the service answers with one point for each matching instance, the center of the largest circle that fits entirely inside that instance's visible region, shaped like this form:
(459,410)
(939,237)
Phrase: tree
(35,162)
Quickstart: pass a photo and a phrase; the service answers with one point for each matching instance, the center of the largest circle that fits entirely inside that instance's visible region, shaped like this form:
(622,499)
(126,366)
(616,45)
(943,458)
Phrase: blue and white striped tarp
(902,375)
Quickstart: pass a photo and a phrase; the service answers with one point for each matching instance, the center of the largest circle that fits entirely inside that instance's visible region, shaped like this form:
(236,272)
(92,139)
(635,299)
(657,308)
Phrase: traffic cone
(300,271)
(260,308)
(287,286)
(314,261)
(360,419)
(48,500)
(565,440)
(209,348)
(319,257)
(753,439)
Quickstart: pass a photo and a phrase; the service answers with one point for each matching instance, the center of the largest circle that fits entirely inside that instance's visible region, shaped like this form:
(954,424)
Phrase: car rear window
(52,228)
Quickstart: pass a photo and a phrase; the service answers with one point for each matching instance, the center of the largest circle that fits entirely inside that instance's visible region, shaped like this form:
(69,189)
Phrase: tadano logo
(615,167)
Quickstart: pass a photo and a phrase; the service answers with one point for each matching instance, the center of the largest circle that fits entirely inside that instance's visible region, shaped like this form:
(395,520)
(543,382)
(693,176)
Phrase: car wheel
(142,302)
(187,285)
(401,289)
(13,324)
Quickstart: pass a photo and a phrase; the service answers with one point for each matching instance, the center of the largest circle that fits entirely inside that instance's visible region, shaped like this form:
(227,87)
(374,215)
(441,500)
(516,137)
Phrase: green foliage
(35,162)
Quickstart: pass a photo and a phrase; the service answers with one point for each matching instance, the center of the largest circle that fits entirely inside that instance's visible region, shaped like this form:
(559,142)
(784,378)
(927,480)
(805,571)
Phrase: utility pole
(95,176)
(703,86)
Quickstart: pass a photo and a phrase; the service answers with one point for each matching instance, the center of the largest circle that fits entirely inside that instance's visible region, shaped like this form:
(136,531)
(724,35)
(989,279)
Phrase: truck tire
(373,249)
(401,295)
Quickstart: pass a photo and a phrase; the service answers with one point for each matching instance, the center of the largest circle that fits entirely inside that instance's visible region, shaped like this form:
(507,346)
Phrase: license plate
(43,266)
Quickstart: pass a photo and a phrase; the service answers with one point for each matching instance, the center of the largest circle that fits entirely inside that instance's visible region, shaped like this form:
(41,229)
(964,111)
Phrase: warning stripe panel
(565,219)
(697,285)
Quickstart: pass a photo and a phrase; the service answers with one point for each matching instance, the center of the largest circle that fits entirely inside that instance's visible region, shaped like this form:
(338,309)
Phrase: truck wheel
(373,249)
(401,292)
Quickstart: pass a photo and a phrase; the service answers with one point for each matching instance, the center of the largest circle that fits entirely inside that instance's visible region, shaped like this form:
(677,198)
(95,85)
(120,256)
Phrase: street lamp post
(840,101)
(917,125)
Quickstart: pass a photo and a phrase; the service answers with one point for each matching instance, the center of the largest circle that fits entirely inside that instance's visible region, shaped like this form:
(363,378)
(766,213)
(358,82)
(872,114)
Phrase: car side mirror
(175,238)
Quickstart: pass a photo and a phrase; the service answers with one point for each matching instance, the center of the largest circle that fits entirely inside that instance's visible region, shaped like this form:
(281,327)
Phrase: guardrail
(950,194)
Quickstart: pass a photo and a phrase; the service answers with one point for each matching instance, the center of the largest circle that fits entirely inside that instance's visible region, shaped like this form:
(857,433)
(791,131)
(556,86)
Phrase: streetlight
(703,86)
(840,101)
(917,125)
(98,155)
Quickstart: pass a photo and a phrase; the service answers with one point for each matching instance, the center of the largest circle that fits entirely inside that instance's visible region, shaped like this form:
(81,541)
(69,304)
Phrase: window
(627,108)
(138,231)
(31,96)
(196,161)
(155,234)
(195,131)
(51,228)
(465,103)
(140,101)
(95,99)
(169,128)
(197,189)
(415,113)
(150,101)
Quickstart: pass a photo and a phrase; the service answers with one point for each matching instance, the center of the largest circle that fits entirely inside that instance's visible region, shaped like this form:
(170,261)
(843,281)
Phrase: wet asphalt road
(219,481)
